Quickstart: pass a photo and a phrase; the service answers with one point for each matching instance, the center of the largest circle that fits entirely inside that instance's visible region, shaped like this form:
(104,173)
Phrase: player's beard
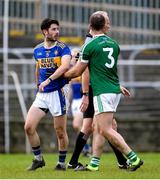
(51,40)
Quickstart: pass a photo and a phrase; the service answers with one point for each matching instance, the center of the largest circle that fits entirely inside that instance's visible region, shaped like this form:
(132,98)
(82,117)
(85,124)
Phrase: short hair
(46,23)
(97,21)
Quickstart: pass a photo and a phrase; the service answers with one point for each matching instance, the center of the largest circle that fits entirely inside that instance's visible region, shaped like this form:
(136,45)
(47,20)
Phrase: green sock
(94,162)
(132,156)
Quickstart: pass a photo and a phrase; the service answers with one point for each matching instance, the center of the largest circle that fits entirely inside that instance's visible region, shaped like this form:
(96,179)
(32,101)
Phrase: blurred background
(135,24)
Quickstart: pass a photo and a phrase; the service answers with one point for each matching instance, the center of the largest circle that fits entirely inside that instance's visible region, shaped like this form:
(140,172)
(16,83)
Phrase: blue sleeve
(66,51)
(34,55)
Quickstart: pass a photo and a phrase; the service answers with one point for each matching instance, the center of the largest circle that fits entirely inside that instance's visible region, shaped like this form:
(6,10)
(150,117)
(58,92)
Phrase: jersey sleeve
(66,51)
(34,55)
(84,54)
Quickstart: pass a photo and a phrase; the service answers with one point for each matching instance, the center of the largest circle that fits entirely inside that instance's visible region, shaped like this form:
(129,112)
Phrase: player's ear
(44,32)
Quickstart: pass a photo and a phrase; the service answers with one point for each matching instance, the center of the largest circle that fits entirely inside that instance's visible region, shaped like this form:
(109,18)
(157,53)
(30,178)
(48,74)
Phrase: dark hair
(46,23)
(97,21)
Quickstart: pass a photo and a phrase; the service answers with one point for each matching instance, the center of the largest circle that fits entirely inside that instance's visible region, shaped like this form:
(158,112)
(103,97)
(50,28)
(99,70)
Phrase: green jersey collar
(97,35)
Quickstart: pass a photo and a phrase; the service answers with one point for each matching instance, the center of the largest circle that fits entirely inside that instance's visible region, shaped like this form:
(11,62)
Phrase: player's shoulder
(61,44)
(38,46)
(113,43)
(111,40)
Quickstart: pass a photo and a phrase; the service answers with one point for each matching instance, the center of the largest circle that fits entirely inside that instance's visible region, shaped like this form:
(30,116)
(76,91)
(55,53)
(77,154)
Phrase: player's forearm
(85,81)
(72,73)
(76,70)
(59,72)
(37,74)
(65,65)
(54,76)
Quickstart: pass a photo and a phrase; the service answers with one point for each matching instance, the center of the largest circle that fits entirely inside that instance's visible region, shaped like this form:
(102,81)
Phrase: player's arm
(37,73)
(65,64)
(85,90)
(76,70)
(85,81)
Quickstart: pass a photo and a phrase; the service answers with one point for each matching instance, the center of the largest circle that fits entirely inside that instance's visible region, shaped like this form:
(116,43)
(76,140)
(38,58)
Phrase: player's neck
(97,33)
(49,44)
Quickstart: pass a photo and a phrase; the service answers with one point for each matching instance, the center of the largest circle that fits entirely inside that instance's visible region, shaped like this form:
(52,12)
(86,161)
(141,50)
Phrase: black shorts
(89,113)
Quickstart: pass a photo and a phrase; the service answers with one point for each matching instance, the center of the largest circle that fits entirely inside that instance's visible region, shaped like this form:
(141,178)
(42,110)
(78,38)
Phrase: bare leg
(60,124)
(104,122)
(122,161)
(77,121)
(98,142)
(33,117)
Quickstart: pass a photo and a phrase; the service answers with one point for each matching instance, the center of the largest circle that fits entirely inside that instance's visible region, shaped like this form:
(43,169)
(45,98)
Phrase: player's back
(103,55)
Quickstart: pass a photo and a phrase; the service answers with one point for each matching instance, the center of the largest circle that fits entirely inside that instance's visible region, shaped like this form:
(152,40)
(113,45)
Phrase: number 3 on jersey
(110,50)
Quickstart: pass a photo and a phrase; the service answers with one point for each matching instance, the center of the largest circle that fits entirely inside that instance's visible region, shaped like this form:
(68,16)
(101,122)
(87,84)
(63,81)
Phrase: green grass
(14,166)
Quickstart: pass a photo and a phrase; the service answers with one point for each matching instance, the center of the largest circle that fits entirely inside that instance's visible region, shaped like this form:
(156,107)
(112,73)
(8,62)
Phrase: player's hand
(43,84)
(84,103)
(125,91)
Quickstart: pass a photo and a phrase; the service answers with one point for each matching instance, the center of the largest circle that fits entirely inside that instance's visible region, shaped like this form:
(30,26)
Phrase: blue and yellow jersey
(49,60)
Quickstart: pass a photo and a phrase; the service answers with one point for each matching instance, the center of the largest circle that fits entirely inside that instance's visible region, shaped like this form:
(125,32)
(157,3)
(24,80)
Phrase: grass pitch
(13,166)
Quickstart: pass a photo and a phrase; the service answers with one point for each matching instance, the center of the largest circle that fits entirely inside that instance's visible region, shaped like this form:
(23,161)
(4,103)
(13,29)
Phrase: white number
(110,50)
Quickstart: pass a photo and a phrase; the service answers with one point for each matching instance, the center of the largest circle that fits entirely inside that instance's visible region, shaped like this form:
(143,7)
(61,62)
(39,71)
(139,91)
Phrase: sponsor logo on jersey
(56,52)
(39,53)
(46,63)
(53,62)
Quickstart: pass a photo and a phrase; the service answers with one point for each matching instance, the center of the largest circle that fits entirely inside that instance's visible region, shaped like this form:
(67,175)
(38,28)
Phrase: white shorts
(54,101)
(75,107)
(107,102)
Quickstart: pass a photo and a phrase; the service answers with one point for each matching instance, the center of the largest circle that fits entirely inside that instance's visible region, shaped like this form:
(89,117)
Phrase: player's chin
(55,38)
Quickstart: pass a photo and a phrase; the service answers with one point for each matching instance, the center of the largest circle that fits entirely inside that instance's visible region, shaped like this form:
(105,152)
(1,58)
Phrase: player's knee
(87,128)
(60,131)
(104,131)
(28,129)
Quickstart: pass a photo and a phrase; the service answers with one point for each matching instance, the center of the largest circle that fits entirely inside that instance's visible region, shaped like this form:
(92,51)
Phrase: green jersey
(101,54)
